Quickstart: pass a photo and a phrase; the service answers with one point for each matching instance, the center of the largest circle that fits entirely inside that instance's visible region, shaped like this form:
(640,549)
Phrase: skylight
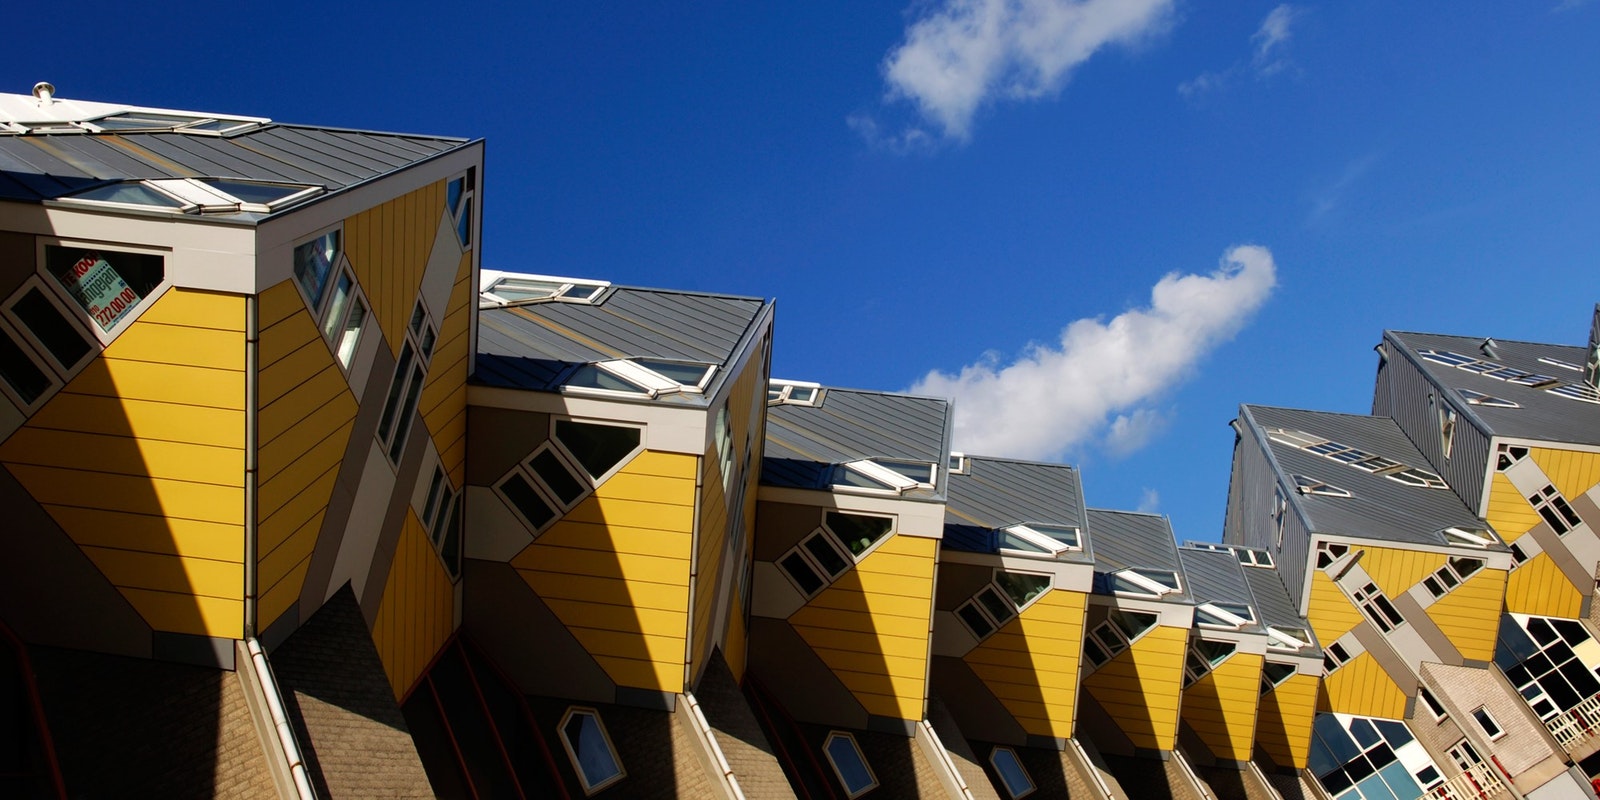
(1224,615)
(1579,391)
(1146,582)
(198,195)
(793,393)
(1360,459)
(146,121)
(648,377)
(1287,638)
(501,289)
(1035,538)
(1480,399)
(1305,485)
(885,475)
(1468,537)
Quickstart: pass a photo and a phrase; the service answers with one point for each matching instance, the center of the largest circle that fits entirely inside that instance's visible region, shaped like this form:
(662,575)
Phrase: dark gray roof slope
(1380,508)
(995,492)
(43,167)
(1273,604)
(536,346)
(1130,539)
(804,442)
(1214,576)
(1543,415)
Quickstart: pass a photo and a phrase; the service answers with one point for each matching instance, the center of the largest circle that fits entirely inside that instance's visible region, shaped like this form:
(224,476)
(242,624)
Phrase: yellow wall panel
(417,614)
(388,248)
(710,545)
(180,461)
(1330,612)
(1509,513)
(1283,723)
(1221,706)
(1540,587)
(630,513)
(276,303)
(141,419)
(160,572)
(283,481)
(1396,571)
(616,538)
(132,494)
(294,550)
(617,591)
(94,527)
(276,600)
(1573,473)
(1363,687)
(188,613)
(289,410)
(1139,688)
(193,308)
(443,404)
(163,383)
(668,676)
(172,344)
(1470,614)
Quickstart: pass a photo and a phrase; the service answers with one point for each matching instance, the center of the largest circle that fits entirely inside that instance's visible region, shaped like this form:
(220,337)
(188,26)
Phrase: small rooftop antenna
(1488,348)
(1591,364)
(45,91)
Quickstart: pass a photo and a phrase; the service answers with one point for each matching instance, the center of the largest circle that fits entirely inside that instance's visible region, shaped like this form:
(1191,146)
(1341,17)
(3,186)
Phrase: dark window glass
(1359,768)
(1381,756)
(825,555)
(413,394)
(20,372)
(975,620)
(803,574)
(1581,679)
(1022,587)
(846,758)
(313,262)
(66,345)
(1364,733)
(1559,690)
(533,508)
(857,531)
(996,607)
(1571,631)
(591,754)
(1395,733)
(1541,631)
(597,448)
(1095,652)
(391,406)
(1336,781)
(1011,772)
(451,547)
(1538,665)
(258,193)
(106,284)
(547,465)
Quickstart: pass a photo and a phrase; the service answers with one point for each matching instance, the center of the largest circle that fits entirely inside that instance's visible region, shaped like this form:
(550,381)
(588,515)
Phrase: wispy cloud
(959,55)
(1100,379)
(1149,501)
(1569,5)
(1269,55)
(1327,199)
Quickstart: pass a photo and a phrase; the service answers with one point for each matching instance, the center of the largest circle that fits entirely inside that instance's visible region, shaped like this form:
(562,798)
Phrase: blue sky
(995,186)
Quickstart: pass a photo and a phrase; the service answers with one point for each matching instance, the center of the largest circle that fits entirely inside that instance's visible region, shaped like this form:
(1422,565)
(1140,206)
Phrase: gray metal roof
(40,167)
(1214,576)
(1380,508)
(803,442)
(1272,601)
(1543,415)
(993,493)
(535,346)
(1131,539)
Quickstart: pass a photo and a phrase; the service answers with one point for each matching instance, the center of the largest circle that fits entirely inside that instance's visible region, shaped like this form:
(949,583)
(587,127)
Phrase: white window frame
(1230,620)
(1499,731)
(575,470)
(1435,708)
(1052,546)
(827,751)
(69,311)
(466,202)
(782,393)
(1152,587)
(339,262)
(1448,577)
(1561,511)
(335,337)
(1477,398)
(53,379)
(1284,639)
(572,753)
(1312,486)
(1021,768)
(557,294)
(1190,674)
(54,288)
(1376,607)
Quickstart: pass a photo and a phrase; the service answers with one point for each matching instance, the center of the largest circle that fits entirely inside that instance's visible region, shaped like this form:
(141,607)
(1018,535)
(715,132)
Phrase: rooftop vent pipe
(1488,348)
(1591,365)
(44,90)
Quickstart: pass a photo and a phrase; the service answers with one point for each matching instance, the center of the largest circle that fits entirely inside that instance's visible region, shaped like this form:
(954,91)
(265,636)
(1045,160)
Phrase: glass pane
(432,503)
(1066,536)
(597,448)
(451,547)
(526,501)
(857,531)
(1011,772)
(352,332)
(802,394)
(848,761)
(1133,623)
(58,336)
(547,465)
(1333,735)
(1373,788)
(452,195)
(313,261)
(686,374)
(391,406)
(20,372)
(1011,541)
(1022,587)
(825,555)
(1541,631)
(141,121)
(464,226)
(590,376)
(219,126)
(105,284)
(591,754)
(131,192)
(1399,781)
(996,607)
(517,289)
(413,394)
(802,573)
(342,292)
(918,471)
(259,193)
(975,620)
(1364,733)
(1571,631)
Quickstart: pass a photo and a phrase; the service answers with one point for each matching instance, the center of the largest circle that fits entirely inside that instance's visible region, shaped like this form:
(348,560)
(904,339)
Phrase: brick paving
(738,733)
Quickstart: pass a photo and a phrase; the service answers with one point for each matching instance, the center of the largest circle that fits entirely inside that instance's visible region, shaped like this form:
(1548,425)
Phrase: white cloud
(1130,432)
(1149,501)
(1051,398)
(1272,39)
(1205,82)
(963,53)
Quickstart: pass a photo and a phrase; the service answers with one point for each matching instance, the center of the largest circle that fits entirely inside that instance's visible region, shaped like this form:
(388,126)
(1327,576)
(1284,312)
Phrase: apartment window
(522,290)
(1038,539)
(849,765)
(957,464)
(1305,485)
(405,389)
(1273,674)
(345,318)
(313,265)
(724,442)
(1508,456)
(599,449)
(441,515)
(589,746)
(1013,776)
(793,393)
(1455,572)
(1555,509)
(1377,608)
(1487,722)
(1287,638)
(458,201)
(564,470)
(24,378)
(106,284)
(1253,558)
(1518,555)
(1328,553)
(1224,615)
(1144,582)
(40,319)
(640,377)
(824,554)
(1489,400)
(1001,600)
(1447,428)
(1117,633)
(1540,656)
(1334,656)
(1376,757)
(1204,656)
(1435,707)
(1280,510)
(858,532)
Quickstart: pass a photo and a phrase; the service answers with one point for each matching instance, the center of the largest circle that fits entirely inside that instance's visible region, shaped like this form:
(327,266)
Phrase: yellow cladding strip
(881,657)
(1283,724)
(1509,513)
(1139,688)
(1221,706)
(1470,614)
(615,570)
(1330,612)
(388,247)
(1571,472)
(1540,587)
(1395,571)
(444,394)
(1362,687)
(417,613)
(1031,664)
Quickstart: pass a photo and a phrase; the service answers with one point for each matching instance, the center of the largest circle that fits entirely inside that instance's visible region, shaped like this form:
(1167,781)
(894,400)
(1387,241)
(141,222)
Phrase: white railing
(1479,782)
(1573,728)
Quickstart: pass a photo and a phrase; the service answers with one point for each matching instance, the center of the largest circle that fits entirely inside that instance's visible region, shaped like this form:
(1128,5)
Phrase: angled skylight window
(868,474)
(1035,538)
(923,472)
(1412,476)
(633,377)
(587,743)
(458,203)
(1012,774)
(1556,362)
(1204,656)
(1287,638)
(508,290)
(202,196)
(1144,582)
(849,765)
(1576,391)
(1481,399)
(690,376)
(152,121)
(1468,537)
(1224,615)
(793,393)
(1253,558)
(1305,485)
(134,193)
(957,464)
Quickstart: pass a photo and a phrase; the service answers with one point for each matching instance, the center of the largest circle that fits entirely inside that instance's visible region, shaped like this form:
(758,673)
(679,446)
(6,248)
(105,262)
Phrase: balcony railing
(1479,782)
(1573,728)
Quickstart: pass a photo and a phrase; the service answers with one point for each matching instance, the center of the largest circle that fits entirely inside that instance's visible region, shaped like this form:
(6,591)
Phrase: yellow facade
(388,246)
(1140,687)
(871,626)
(417,613)
(1031,664)
(1509,513)
(444,394)
(1329,611)
(1395,571)
(615,570)
(140,460)
(1284,719)
(1364,688)
(1470,614)
(1571,472)
(306,414)
(1540,587)
(1221,706)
